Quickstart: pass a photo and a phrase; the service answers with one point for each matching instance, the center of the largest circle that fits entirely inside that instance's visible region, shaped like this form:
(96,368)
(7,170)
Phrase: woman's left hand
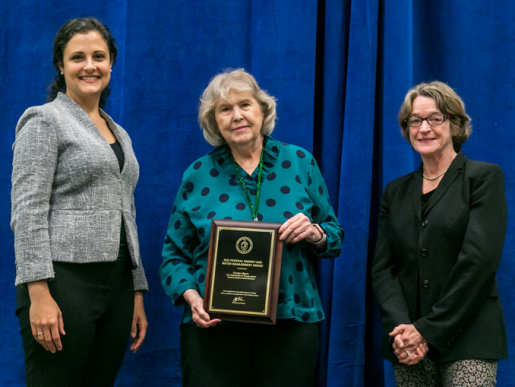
(297,228)
(406,338)
(139,322)
(411,358)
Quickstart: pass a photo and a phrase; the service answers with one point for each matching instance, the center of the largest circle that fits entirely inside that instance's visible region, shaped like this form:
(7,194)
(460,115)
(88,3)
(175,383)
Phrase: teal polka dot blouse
(291,183)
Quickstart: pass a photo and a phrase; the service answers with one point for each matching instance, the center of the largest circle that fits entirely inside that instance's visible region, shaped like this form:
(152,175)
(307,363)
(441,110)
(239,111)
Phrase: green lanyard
(253,211)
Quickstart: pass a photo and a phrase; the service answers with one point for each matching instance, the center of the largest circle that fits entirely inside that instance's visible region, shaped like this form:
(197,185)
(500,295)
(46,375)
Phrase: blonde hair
(447,101)
(220,86)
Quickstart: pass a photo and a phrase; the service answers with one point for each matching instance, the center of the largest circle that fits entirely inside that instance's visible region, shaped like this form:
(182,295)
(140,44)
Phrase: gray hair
(220,87)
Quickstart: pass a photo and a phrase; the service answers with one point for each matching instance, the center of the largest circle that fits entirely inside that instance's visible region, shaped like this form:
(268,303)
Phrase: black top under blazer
(447,256)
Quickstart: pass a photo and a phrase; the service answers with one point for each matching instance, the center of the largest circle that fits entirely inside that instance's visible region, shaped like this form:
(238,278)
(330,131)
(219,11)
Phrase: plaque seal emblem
(244,245)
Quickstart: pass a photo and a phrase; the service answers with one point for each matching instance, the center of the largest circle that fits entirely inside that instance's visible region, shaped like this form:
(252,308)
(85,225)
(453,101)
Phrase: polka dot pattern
(211,190)
(233,181)
(186,240)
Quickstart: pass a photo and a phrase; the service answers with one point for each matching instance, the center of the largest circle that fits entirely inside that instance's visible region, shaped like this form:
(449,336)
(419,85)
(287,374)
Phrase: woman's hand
(200,316)
(411,358)
(297,228)
(139,322)
(45,316)
(408,344)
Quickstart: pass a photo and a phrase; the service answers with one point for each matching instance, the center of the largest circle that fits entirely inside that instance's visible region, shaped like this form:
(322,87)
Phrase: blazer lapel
(449,178)
(416,192)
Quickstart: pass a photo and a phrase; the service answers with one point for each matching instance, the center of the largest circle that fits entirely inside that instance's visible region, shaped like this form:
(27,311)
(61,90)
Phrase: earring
(62,72)
(111,70)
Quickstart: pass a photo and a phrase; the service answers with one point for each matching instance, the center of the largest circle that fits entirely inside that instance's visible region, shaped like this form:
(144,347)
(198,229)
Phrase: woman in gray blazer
(79,276)
(439,244)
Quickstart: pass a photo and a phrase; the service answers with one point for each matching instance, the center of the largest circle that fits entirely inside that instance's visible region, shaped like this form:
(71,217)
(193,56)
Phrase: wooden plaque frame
(243,271)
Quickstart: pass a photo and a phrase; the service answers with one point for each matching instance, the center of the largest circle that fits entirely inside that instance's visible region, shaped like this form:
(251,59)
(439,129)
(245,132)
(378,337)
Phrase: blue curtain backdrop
(339,69)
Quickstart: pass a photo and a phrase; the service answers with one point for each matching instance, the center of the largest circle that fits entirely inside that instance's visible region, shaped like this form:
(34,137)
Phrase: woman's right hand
(46,318)
(200,316)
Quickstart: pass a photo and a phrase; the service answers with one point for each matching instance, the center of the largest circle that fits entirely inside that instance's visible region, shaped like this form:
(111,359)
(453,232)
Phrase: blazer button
(423,252)
(425,223)
(425,284)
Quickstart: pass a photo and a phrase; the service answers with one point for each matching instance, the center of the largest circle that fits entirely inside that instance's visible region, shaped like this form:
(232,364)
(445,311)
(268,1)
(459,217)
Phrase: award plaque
(244,266)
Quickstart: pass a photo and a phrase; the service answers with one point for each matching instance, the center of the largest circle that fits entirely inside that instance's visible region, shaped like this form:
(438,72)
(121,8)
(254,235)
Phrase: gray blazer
(68,194)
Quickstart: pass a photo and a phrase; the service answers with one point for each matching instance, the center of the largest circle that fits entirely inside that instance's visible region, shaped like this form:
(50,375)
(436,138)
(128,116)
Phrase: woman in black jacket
(440,240)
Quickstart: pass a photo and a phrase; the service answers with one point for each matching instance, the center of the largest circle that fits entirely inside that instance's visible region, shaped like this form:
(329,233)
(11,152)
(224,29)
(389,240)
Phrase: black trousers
(97,303)
(240,354)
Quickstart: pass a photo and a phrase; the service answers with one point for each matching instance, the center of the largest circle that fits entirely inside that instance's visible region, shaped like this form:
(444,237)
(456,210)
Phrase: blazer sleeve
(34,165)
(138,274)
(385,282)
(473,276)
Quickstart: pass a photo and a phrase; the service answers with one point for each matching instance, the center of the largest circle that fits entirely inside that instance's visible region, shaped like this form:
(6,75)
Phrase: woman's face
(429,140)
(239,119)
(86,66)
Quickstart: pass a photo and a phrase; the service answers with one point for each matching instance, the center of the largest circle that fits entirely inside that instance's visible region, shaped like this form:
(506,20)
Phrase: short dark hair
(66,32)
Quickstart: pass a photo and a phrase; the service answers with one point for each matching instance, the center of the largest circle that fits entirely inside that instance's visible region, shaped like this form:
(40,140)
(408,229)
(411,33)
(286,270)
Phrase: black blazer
(447,257)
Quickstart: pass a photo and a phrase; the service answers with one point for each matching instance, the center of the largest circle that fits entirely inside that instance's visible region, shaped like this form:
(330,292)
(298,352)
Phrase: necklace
(253,210)
(433,178)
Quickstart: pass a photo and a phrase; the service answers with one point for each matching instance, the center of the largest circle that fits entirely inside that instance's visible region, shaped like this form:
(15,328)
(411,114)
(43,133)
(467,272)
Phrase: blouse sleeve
(34,164)
(322,213)
(177,271)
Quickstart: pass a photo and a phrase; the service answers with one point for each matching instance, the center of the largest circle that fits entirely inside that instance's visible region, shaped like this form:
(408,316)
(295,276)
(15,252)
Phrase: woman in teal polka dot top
(249,176)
